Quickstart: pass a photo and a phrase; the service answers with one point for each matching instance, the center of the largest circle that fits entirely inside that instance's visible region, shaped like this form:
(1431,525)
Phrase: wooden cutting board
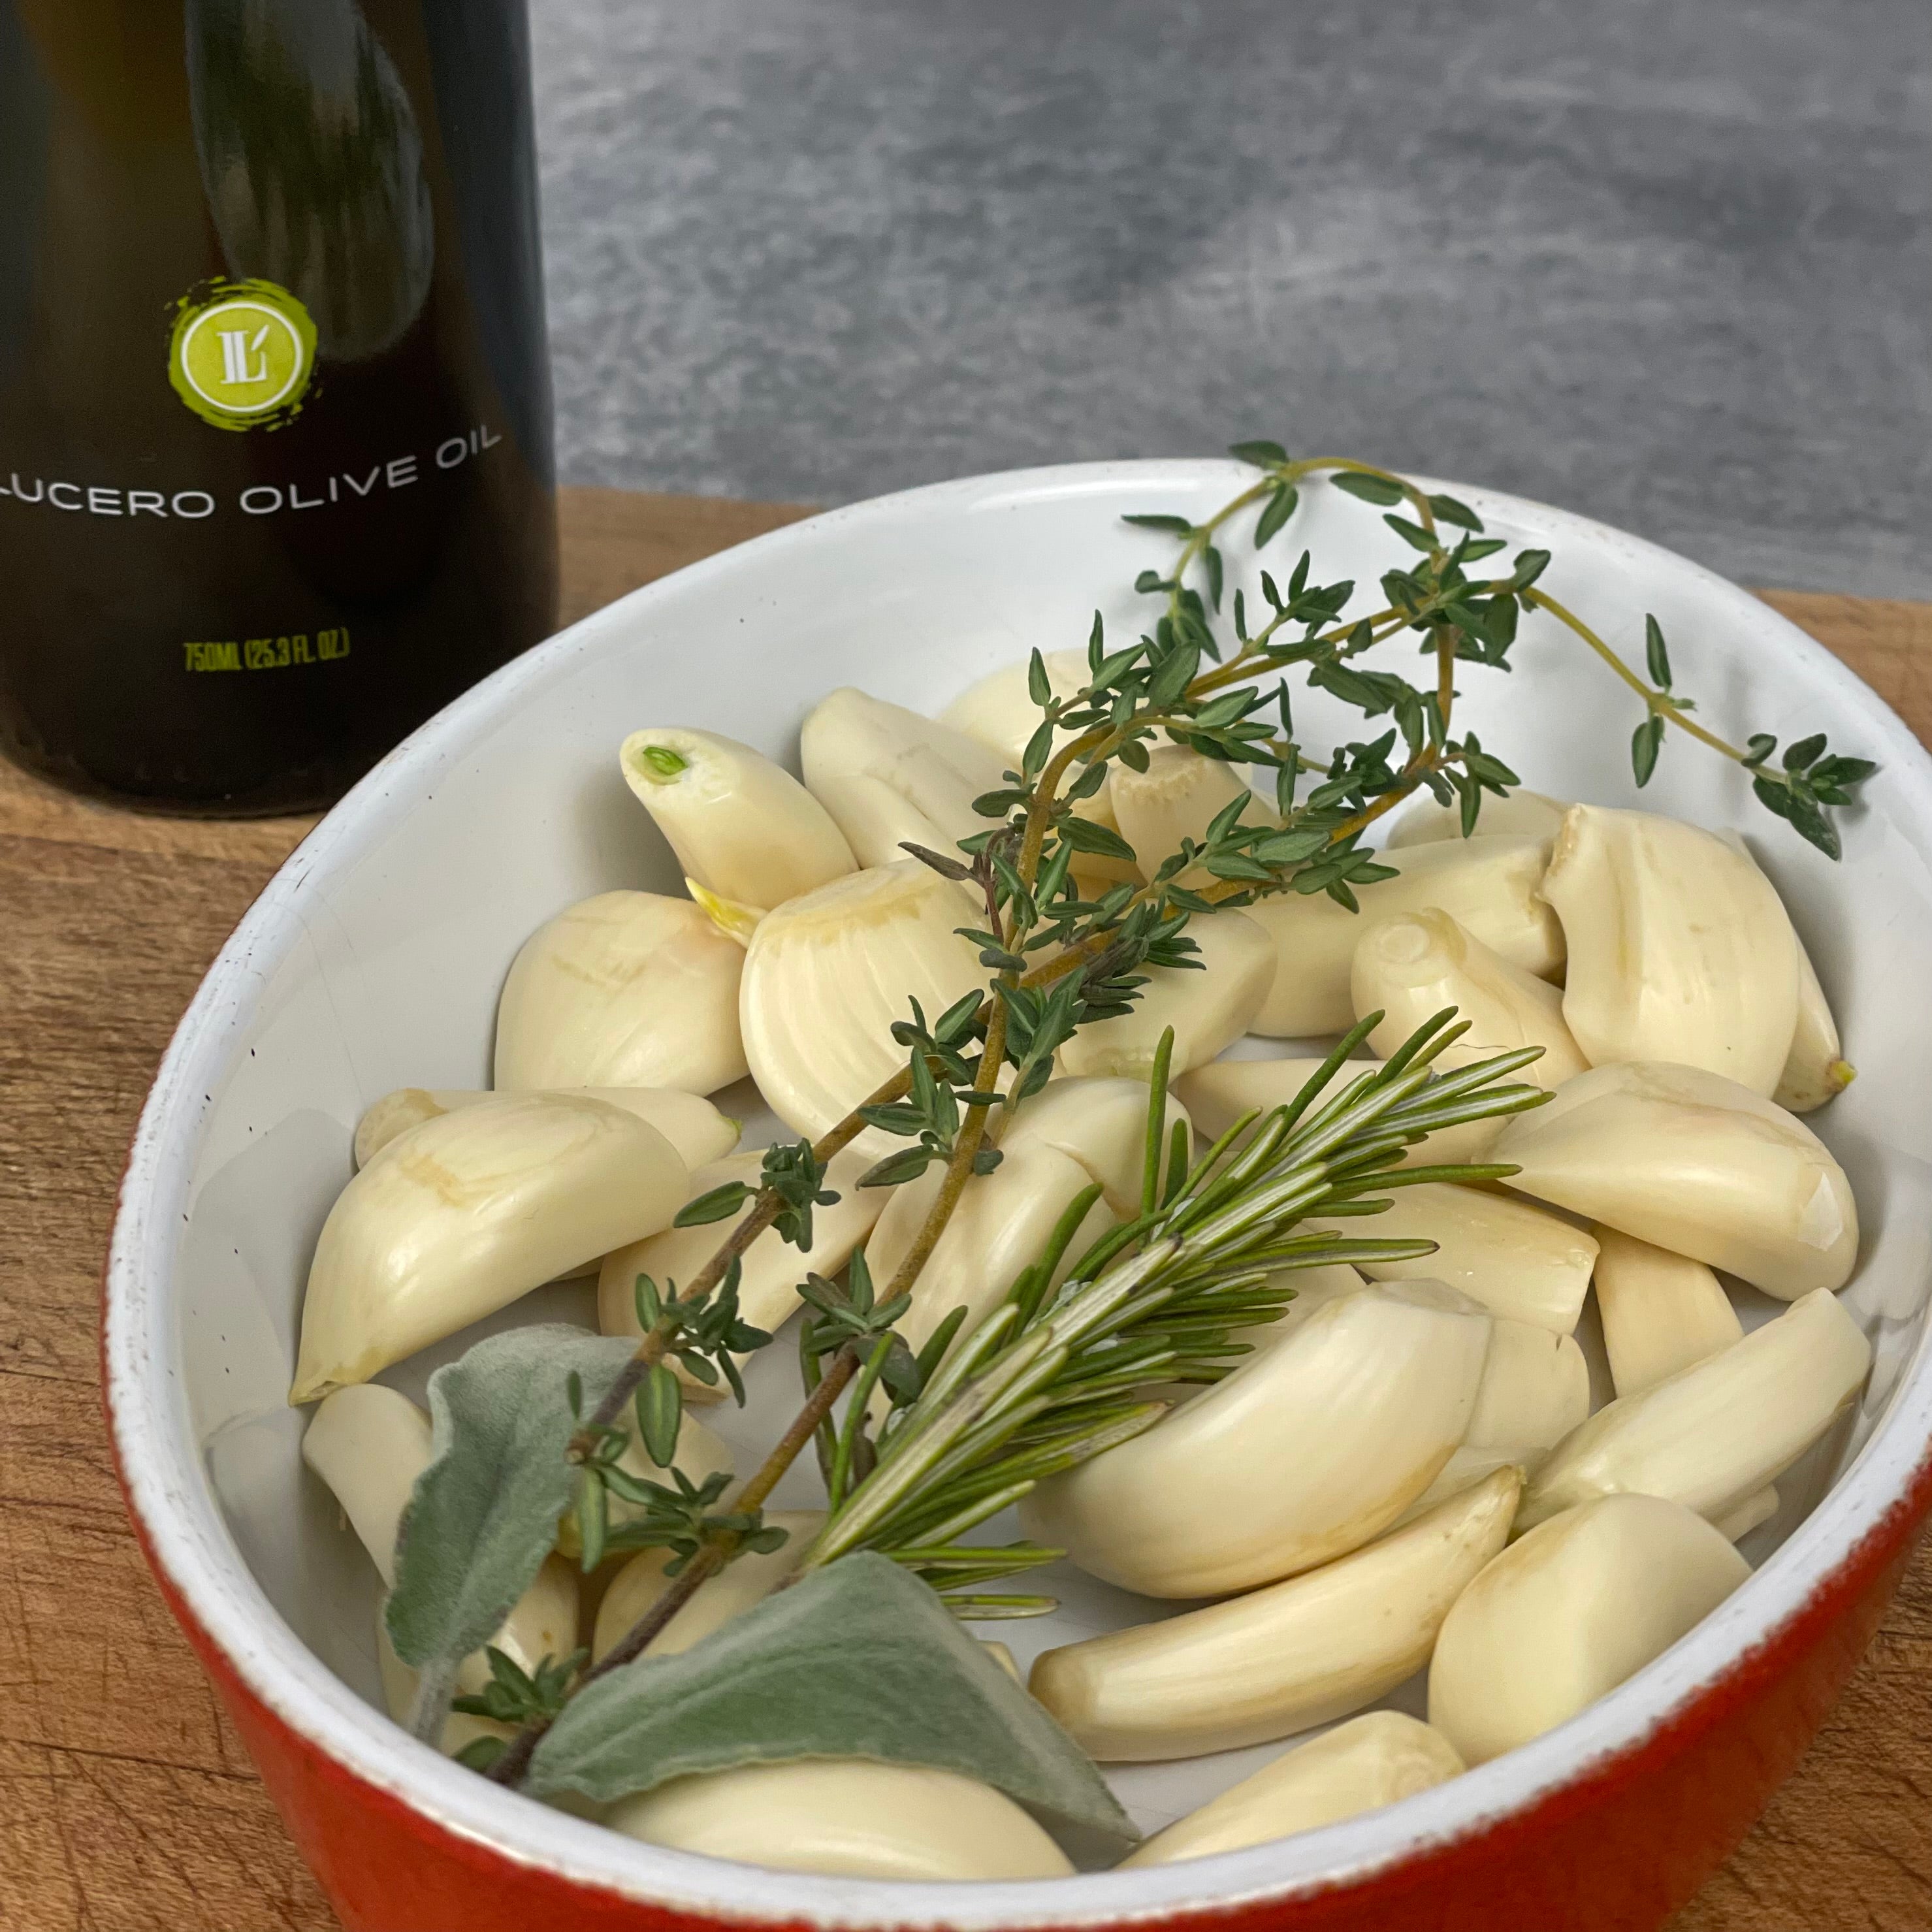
(126,1803)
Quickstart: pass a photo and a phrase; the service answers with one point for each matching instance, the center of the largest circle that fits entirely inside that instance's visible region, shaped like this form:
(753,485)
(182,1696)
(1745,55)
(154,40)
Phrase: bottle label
(242,353)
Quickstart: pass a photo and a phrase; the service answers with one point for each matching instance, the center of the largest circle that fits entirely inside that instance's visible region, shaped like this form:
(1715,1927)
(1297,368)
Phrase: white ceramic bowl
(373,960)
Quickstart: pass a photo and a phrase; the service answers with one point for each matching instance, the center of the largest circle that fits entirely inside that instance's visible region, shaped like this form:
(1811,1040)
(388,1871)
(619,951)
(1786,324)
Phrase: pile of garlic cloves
(1417,1476)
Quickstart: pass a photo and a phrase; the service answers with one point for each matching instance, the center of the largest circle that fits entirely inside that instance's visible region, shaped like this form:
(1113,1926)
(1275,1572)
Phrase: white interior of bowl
(374,959)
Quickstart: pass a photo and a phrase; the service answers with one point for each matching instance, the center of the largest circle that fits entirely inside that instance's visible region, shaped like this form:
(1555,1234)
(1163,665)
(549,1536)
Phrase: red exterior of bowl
(1618,1849)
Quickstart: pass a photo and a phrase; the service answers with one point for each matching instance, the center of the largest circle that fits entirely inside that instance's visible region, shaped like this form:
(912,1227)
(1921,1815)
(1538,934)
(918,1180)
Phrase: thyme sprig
(1053,1378)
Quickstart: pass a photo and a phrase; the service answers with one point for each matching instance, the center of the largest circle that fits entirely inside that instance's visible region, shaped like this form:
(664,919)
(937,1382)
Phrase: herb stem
(760,1215)
(1659,704)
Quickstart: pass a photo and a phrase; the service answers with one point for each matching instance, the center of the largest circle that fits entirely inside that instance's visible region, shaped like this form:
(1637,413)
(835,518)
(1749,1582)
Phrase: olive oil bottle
(275,469)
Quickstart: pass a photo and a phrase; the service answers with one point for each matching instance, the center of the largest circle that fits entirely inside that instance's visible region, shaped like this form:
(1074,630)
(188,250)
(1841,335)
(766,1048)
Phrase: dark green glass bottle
(275,468)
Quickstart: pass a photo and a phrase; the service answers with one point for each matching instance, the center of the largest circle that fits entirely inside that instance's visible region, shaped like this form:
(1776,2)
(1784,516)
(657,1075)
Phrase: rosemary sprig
(1162,1301)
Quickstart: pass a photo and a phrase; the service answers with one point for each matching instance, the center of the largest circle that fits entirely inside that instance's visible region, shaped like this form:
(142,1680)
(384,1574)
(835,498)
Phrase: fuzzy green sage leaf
(483,1515)
(859,1660)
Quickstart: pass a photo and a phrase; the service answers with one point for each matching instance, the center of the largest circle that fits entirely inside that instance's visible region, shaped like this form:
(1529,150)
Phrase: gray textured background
(1663,261)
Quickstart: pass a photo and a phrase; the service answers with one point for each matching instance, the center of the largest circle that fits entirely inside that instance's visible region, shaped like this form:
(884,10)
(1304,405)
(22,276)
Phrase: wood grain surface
(126,1803)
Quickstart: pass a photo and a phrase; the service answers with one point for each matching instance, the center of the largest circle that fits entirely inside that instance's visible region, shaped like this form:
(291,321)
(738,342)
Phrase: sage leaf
(483,1515)
(860,1659)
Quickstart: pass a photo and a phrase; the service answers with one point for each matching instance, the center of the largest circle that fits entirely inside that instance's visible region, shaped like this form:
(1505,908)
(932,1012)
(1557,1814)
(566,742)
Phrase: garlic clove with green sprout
(627,989)
(699,1453)
(746,1581)
(1713,1435)
(1409,966)
(1694,1163)
(999,712)
(888,775)
(828,975)
(1679,948)
(461,1215)
(1265,1665)
(692,1125)
(1515,1260)
(1209,1005)
(770,1269)
(1488,884)
(1375,1759)
(1218,1094)
(1101,1122)
(847,1818)
(541,1627)
(369,1444)
(1001,1225)
(743,828)
(1177,797)
(1567,1613)
(1523,814)
(1364,1403)
(1660,1312)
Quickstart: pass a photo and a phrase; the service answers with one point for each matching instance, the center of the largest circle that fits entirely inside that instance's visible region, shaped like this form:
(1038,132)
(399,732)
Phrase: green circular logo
(241,354)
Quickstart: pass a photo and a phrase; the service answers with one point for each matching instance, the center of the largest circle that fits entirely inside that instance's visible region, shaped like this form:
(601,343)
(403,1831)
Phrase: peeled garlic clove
(1713,1435)
(1695,1164)
(1582,1602)
(692,1125)
(1815,1069)
(395,1113)
(848,1818)
(1525,814)
(885,775)
(1178,796)
(1487,884)
(746,1581)
(1409,966)
(999,712)
(1363,1403)
(467,1212)
(1535,1390)
(369,1444)
(698,1453)
(1217,1095)
(1735,1524)
(542,1623)
(1378,1759)
(1515,1260)
(771,1268)
(1314,1288)
(1679,947)
(1002,1223)
(1102,1124)
(627,989)
(828,975)
(743,827)
(1275,1661)
(1660,1312)
(1209,1006)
